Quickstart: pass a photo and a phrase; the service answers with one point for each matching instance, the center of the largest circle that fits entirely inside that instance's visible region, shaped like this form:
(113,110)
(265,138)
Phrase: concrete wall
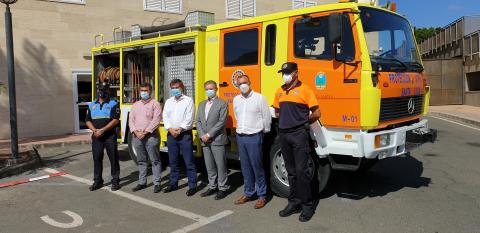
(445,78)
(50,39)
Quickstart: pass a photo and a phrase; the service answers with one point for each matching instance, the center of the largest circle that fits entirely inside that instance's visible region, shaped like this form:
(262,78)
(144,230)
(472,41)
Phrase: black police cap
(288,67)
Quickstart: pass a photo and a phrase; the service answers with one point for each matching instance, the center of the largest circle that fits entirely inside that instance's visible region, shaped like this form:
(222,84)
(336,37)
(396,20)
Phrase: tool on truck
(361,61)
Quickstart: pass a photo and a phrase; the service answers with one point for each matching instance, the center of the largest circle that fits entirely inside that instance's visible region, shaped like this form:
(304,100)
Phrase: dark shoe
(209,192)
(156,189)
(191,192)
(305,216)
(220,195)
(261,202)
(169,189)
(95,186)
(289,210)
(139,187)
(115,185)
(242,200)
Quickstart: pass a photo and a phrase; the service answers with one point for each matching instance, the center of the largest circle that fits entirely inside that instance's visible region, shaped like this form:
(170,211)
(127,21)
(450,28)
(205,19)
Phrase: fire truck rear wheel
(279,175)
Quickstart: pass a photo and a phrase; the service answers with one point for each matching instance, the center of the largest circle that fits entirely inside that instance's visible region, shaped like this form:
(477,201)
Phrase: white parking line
(200,220)
(454,122)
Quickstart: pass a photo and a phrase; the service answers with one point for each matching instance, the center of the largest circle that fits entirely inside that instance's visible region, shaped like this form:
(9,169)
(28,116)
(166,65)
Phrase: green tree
(422,34)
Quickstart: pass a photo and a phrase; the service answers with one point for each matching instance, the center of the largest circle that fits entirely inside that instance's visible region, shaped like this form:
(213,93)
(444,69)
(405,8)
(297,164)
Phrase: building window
(237,9)
(241,48)
(170,6)
(297,4)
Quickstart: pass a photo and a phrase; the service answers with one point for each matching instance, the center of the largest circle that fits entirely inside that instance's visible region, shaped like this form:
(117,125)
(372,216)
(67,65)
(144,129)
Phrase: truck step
(342,166)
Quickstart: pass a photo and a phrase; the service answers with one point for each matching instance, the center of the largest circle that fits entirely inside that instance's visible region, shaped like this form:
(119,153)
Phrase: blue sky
(435,13)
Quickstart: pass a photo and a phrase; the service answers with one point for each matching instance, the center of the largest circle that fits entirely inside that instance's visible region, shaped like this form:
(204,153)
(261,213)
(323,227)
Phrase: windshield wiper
(403,64)
(417,65)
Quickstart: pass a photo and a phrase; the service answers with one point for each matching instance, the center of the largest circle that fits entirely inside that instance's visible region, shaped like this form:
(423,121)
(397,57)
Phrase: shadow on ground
(387,176)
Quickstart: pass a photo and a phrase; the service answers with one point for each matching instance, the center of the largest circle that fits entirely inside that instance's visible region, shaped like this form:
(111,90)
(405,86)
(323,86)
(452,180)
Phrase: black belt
(305,126)
(248,135)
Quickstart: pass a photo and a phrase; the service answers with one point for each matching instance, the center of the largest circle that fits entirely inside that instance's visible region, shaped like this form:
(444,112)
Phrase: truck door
(239,55)
(335,83)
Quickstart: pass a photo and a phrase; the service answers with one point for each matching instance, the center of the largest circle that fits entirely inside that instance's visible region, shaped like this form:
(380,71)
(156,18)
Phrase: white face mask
(287,78)
(244,88)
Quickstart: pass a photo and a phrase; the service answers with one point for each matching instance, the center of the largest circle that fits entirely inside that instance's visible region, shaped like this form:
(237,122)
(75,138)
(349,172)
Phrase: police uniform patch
(94,107)
(284,66)
(280,94)
(295,92)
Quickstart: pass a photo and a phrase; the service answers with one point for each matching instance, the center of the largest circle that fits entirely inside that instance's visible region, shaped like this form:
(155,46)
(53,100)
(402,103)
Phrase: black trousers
(298,162)
(109,143)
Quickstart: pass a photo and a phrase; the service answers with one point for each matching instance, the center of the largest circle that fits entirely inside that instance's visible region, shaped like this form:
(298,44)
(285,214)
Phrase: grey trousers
(216,163)
(148,146)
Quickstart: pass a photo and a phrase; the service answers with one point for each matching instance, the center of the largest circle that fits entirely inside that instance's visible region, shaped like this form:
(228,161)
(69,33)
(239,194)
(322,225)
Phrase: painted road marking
(454,122)
(200,220)
(77,220)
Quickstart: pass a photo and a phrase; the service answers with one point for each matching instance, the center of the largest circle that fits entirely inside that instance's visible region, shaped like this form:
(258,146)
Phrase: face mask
(210,93)
(102,94)
(144,95)
(287,78)
(244,88)
(176,92)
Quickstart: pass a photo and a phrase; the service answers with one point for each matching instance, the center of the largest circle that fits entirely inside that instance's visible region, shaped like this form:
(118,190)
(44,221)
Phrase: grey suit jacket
(215,123)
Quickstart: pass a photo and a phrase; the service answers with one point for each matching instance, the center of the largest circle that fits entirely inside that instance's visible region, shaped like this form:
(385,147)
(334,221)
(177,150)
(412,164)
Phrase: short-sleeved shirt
(100,114)
(294,105)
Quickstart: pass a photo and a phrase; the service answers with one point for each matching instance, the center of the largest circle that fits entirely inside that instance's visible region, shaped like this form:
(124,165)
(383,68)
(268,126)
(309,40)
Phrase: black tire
(279,176)
(131,150)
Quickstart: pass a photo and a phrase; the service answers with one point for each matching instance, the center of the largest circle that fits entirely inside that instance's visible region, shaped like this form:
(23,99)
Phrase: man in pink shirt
(144,121)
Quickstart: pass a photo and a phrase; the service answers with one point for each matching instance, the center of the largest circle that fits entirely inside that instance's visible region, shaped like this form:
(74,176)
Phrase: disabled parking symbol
(77,220)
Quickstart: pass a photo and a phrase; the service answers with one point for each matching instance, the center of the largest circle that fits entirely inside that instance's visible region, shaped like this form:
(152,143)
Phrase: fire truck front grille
(397,108)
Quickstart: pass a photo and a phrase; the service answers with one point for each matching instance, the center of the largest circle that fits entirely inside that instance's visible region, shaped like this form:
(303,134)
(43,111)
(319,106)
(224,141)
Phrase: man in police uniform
(102,118)
(296,107)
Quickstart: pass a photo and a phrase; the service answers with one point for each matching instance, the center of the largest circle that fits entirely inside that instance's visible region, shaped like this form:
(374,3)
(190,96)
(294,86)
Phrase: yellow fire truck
(361,61)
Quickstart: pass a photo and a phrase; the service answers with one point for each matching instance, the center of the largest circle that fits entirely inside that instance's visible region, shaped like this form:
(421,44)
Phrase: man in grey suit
(211,120)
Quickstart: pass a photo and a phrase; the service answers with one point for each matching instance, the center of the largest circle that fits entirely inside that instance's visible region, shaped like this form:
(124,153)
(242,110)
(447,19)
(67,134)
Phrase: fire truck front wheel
(279,175)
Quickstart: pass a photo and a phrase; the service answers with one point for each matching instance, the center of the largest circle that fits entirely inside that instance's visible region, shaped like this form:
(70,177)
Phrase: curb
(466,121)
(29,160)
(62,144)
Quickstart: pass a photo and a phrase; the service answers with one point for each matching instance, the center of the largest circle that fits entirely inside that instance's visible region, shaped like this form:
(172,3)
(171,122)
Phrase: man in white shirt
(178,115)
(253,120)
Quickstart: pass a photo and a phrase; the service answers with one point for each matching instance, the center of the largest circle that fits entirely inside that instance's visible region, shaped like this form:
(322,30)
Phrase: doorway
(82,96)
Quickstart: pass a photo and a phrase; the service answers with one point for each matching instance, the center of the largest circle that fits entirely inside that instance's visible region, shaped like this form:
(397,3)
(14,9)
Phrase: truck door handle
(224,84)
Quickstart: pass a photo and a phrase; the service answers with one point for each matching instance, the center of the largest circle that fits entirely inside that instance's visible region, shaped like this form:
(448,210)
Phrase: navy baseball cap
(288,68)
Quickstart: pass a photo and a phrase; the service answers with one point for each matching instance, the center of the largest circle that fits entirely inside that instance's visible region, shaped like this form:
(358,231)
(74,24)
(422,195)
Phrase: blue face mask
(144,95)
(176,92)
(210,93)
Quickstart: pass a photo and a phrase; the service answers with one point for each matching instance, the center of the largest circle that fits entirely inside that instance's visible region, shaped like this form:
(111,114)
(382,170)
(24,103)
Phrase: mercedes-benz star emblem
(411,106)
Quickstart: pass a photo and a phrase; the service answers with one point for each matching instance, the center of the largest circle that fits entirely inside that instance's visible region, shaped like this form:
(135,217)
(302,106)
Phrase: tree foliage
(422,34)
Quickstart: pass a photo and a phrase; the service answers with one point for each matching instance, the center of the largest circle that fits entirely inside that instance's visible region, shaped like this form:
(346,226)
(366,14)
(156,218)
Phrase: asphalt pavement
(436,189)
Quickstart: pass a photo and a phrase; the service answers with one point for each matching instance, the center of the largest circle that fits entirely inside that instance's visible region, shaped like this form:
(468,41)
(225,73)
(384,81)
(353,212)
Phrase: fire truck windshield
(390,41)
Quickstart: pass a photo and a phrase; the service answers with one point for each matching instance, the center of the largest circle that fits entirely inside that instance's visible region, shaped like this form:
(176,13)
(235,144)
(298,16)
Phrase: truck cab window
(311,38)
(270,44)
(346,49)
(241,48)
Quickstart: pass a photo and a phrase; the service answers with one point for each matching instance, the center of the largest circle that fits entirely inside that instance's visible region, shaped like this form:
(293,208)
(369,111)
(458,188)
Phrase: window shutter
(154,5)
(297,4)
(248,8)
(310,3)
(173,5)
(233,9)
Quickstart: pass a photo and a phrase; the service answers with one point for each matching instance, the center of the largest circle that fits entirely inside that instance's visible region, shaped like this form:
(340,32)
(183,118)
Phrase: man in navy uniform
(102,118)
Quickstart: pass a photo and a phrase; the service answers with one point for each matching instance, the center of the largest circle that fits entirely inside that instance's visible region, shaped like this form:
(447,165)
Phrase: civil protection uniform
(294,107)
(100,114)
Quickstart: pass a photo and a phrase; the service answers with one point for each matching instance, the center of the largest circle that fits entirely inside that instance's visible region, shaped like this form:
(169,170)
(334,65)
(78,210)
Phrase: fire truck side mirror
(335,26)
